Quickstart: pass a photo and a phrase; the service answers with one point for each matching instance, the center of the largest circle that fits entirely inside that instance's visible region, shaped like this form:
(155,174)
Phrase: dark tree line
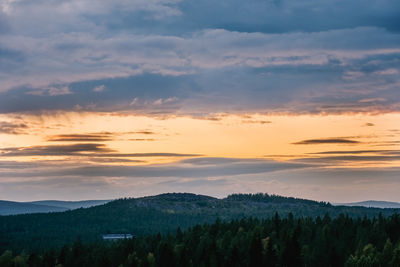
(288,241)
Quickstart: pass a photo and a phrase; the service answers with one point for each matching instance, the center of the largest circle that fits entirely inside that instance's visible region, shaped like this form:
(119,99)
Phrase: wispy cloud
(203,167)
(370,151)
(256,121)
(99,88)
(54,150)
(145,132)
(95,137)
(355,159)
(338,158)
(81,150)
(12,127)
(216,176)
(141,139)
(326,141)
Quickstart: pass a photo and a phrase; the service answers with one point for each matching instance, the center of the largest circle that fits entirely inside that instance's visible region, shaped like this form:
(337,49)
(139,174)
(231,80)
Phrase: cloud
(12,127)
(237,71)
(146,155)
(54,150)
(99,137)
(256,121)
(179,17)
(162,57)
(145,132)
(369,124)
(371,151)
(99,88)
(360,157)
(95,137)
(114,160)
(326,141)
(183,169)
(161,101)
(216,176)
(82,150)
(193,183)
(193,58)
(51,91)
(141,139)
(350,159)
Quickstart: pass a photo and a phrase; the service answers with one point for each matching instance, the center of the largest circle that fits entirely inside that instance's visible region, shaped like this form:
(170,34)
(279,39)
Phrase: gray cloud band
(343,69)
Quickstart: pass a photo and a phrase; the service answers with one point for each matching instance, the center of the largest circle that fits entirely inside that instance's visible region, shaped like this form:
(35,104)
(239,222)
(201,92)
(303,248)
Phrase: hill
(373,204)
(11,208)
(149,215)
(71,204)
(45,206)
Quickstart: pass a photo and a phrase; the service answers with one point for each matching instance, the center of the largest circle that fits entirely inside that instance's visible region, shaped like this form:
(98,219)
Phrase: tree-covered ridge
(264,197)
(146,216)
(276,241)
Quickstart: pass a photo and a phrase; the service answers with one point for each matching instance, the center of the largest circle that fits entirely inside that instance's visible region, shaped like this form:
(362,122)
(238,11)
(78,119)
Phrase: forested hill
(14,208)
(149,215)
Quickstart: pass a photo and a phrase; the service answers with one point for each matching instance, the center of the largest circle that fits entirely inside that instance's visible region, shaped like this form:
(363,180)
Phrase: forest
(288,241)
(194,230)
(155,214)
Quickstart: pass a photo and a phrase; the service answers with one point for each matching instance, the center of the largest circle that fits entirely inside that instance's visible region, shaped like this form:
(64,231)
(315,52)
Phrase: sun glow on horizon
(140,138)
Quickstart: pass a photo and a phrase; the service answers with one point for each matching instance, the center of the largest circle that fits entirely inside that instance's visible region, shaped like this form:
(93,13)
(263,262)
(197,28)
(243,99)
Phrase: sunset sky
(108,99)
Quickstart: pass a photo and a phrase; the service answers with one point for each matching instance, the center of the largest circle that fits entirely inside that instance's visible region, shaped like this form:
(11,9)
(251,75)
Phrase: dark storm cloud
(12,128)
(326,141)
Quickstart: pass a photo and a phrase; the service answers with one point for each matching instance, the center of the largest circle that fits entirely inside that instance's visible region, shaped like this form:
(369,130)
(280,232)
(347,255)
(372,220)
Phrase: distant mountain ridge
(13,208)
(71,204)
(372,204)
(45,206)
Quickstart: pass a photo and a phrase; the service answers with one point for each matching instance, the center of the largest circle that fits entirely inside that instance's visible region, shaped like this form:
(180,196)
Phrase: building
(117,236)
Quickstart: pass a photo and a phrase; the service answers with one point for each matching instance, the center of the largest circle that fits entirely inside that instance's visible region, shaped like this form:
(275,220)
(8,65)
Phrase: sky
(107,99)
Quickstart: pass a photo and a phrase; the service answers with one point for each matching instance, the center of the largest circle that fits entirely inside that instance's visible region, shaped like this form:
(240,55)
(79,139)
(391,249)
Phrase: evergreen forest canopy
(289,241)
(242,229)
